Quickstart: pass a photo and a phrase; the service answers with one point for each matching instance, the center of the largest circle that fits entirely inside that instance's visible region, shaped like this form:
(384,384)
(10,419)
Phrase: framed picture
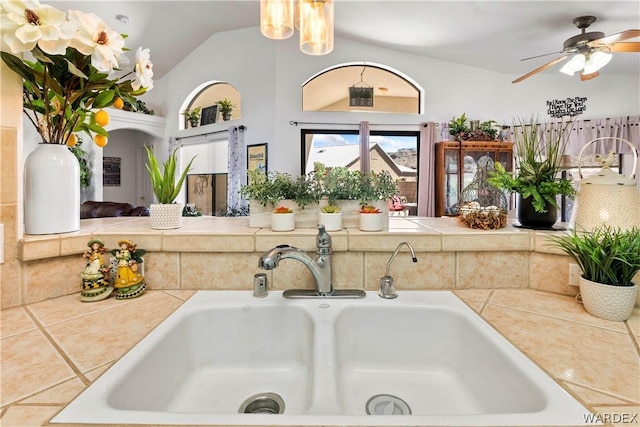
(257,157)
(209,115)
(111,171)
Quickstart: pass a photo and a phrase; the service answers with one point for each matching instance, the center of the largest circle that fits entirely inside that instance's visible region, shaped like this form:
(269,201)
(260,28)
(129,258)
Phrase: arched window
(362,87)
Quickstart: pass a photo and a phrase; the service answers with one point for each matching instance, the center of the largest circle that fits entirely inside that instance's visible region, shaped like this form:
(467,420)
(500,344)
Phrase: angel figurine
(129,283)
(95,276)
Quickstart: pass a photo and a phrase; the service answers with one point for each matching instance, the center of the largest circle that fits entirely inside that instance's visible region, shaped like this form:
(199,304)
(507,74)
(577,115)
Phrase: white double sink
(424,358)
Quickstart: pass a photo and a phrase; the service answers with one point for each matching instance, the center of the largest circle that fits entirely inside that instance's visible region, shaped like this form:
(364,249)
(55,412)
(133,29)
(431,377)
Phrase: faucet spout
(320,267)
(387,290)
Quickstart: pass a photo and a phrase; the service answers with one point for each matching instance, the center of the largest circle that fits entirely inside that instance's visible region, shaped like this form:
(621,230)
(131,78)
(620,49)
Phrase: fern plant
(163,181)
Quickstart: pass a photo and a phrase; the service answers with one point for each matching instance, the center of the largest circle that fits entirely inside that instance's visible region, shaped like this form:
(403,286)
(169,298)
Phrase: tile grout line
(59,349)
(625,401)
(632,336)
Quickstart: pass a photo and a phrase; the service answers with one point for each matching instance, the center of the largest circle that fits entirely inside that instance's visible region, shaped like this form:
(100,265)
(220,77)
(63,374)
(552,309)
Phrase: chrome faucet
(387,290)
(320,267)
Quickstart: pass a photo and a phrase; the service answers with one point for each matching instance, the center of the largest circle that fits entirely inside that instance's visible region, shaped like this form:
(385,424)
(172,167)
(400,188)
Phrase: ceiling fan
(588,51)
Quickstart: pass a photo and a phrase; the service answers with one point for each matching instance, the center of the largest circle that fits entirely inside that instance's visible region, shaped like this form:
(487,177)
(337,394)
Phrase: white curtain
(237,175)
(426,170)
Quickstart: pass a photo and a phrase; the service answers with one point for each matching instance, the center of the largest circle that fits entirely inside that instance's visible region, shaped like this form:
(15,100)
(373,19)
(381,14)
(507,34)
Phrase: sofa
(93,209)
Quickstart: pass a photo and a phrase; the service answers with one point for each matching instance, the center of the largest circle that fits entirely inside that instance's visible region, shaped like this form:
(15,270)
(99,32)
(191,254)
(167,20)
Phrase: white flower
(144,70)
(94,38)
(27,23)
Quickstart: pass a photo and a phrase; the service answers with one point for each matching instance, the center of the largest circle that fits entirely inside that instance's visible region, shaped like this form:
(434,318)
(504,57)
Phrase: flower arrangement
(282,210)
(538,156)
(71,69)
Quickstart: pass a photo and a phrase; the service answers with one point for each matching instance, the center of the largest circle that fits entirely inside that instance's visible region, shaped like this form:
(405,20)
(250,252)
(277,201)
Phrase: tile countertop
(235,235)
(52,350)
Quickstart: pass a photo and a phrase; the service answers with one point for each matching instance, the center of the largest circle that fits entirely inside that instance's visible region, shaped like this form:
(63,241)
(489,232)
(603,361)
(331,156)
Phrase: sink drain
(263,403)
(387,404)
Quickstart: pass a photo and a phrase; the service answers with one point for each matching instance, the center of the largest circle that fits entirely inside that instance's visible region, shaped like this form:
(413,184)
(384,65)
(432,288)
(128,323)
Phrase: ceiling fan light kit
(314,19)
(589,52)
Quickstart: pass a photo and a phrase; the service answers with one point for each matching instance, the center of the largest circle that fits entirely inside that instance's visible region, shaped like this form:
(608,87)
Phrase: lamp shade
(276,18)
(597,60)
(575,64)
(606,197)
(316,26)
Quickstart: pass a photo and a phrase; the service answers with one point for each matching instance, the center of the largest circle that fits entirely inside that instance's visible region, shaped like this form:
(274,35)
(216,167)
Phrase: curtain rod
(205,134)
(296,123)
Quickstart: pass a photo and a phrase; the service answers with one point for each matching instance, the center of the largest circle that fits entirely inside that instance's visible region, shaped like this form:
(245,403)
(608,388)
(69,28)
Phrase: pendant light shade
(606,197)
(276,18)
(316,26)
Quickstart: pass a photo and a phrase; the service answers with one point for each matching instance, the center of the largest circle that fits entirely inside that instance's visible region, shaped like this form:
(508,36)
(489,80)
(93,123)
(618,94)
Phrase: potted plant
(165,214)
(371,218)
(609,258)
(67,81)
(458,125)
(331,216)
(283,219)
(193,116)
(226,108)
(538,154)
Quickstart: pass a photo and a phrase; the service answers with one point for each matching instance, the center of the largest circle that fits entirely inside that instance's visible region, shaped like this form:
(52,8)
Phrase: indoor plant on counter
(67,76)
(165,214)
(283,219)
(609,259)
(538,154)
(371,218)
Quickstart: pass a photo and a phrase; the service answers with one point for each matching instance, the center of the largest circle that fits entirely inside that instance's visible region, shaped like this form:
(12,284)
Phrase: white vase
(331,221)
(607,301)
(165,216)
(51,190)
(283,221)
(372,221)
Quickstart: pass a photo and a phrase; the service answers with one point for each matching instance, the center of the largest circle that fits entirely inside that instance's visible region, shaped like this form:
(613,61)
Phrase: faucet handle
(323,239)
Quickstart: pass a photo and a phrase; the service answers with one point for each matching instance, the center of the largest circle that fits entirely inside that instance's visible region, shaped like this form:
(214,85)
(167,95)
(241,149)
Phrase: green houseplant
(538,155)
(165,214)
(226,108)
(609,259)
(193,115)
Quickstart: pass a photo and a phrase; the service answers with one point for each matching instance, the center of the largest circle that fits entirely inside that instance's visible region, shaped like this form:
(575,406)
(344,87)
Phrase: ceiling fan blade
(544,67)
(540,56)
(623,47)
(585,77)
(625,35)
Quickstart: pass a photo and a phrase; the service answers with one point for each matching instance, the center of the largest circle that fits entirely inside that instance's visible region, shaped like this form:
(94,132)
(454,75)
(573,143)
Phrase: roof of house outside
(346,155)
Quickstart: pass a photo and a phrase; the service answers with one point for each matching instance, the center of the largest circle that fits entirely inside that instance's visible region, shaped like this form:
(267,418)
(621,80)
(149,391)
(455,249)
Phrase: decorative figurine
(129,283)
(95,277)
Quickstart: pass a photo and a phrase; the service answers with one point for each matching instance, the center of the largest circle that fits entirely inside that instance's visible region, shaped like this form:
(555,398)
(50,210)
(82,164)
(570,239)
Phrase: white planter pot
(606,301)
(51,190)
(372,221)
(331,221)
(165,216)
(283,221)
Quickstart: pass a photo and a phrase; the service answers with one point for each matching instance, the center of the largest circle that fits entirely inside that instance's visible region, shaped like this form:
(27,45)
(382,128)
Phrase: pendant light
(316,26)
(276,18)
(606,197)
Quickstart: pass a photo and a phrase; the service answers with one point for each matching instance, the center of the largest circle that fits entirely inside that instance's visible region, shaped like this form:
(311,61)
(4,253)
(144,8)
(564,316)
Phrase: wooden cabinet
(456,164)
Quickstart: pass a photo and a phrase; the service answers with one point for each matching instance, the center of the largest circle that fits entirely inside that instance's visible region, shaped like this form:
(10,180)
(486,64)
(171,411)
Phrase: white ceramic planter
(331,221)
(606,301)
(283,221)
(165,216)
(372,221)
(51,190)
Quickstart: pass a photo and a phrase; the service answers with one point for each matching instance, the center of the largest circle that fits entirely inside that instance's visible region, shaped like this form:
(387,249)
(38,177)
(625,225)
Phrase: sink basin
(424,358)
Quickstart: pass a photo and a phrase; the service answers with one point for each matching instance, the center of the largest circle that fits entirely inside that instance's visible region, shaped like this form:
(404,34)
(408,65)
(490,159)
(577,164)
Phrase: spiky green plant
(606,254)
(164,182)
(331,209)
(538,154)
